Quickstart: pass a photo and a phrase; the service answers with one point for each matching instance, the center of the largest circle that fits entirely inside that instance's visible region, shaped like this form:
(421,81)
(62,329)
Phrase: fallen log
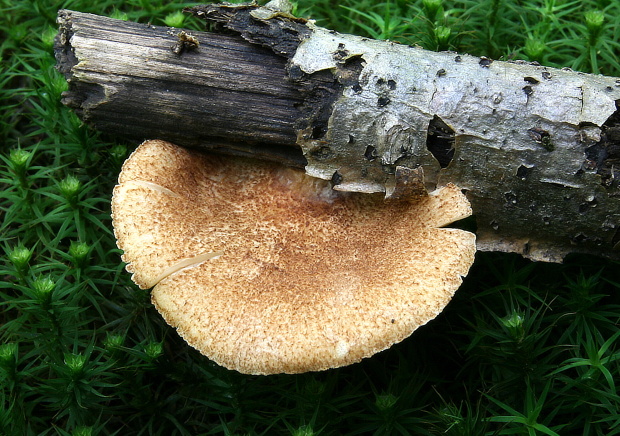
(534,148)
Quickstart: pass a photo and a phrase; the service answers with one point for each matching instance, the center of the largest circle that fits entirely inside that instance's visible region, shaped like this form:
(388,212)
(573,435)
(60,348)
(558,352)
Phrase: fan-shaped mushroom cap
(266,270)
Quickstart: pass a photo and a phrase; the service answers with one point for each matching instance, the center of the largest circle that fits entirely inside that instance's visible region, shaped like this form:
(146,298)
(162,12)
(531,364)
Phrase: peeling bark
(523,139)
(534,148)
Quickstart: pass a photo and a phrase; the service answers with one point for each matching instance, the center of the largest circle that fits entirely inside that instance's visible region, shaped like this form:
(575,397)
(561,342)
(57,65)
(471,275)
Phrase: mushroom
(266,270)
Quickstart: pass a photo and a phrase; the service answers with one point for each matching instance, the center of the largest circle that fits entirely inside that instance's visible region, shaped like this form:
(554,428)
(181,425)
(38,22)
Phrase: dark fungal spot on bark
(385,85)
(531,80)
(383,89)
(341,53)
(383,101)
(546,75)
(440,141)
(485,62)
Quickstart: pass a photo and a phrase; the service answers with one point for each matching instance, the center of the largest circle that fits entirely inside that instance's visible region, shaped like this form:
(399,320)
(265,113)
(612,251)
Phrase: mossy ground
(524,348)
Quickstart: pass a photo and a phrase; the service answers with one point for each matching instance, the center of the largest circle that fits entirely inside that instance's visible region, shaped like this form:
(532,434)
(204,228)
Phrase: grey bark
(533,147)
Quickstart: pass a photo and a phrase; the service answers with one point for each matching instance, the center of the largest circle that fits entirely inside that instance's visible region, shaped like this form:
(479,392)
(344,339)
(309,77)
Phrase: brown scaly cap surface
(266,270)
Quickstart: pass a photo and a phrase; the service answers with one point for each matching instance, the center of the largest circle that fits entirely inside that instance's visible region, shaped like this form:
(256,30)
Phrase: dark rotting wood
(226,94)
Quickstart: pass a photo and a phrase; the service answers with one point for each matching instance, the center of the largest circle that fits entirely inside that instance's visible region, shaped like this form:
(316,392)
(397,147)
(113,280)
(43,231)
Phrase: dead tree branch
(535,148)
